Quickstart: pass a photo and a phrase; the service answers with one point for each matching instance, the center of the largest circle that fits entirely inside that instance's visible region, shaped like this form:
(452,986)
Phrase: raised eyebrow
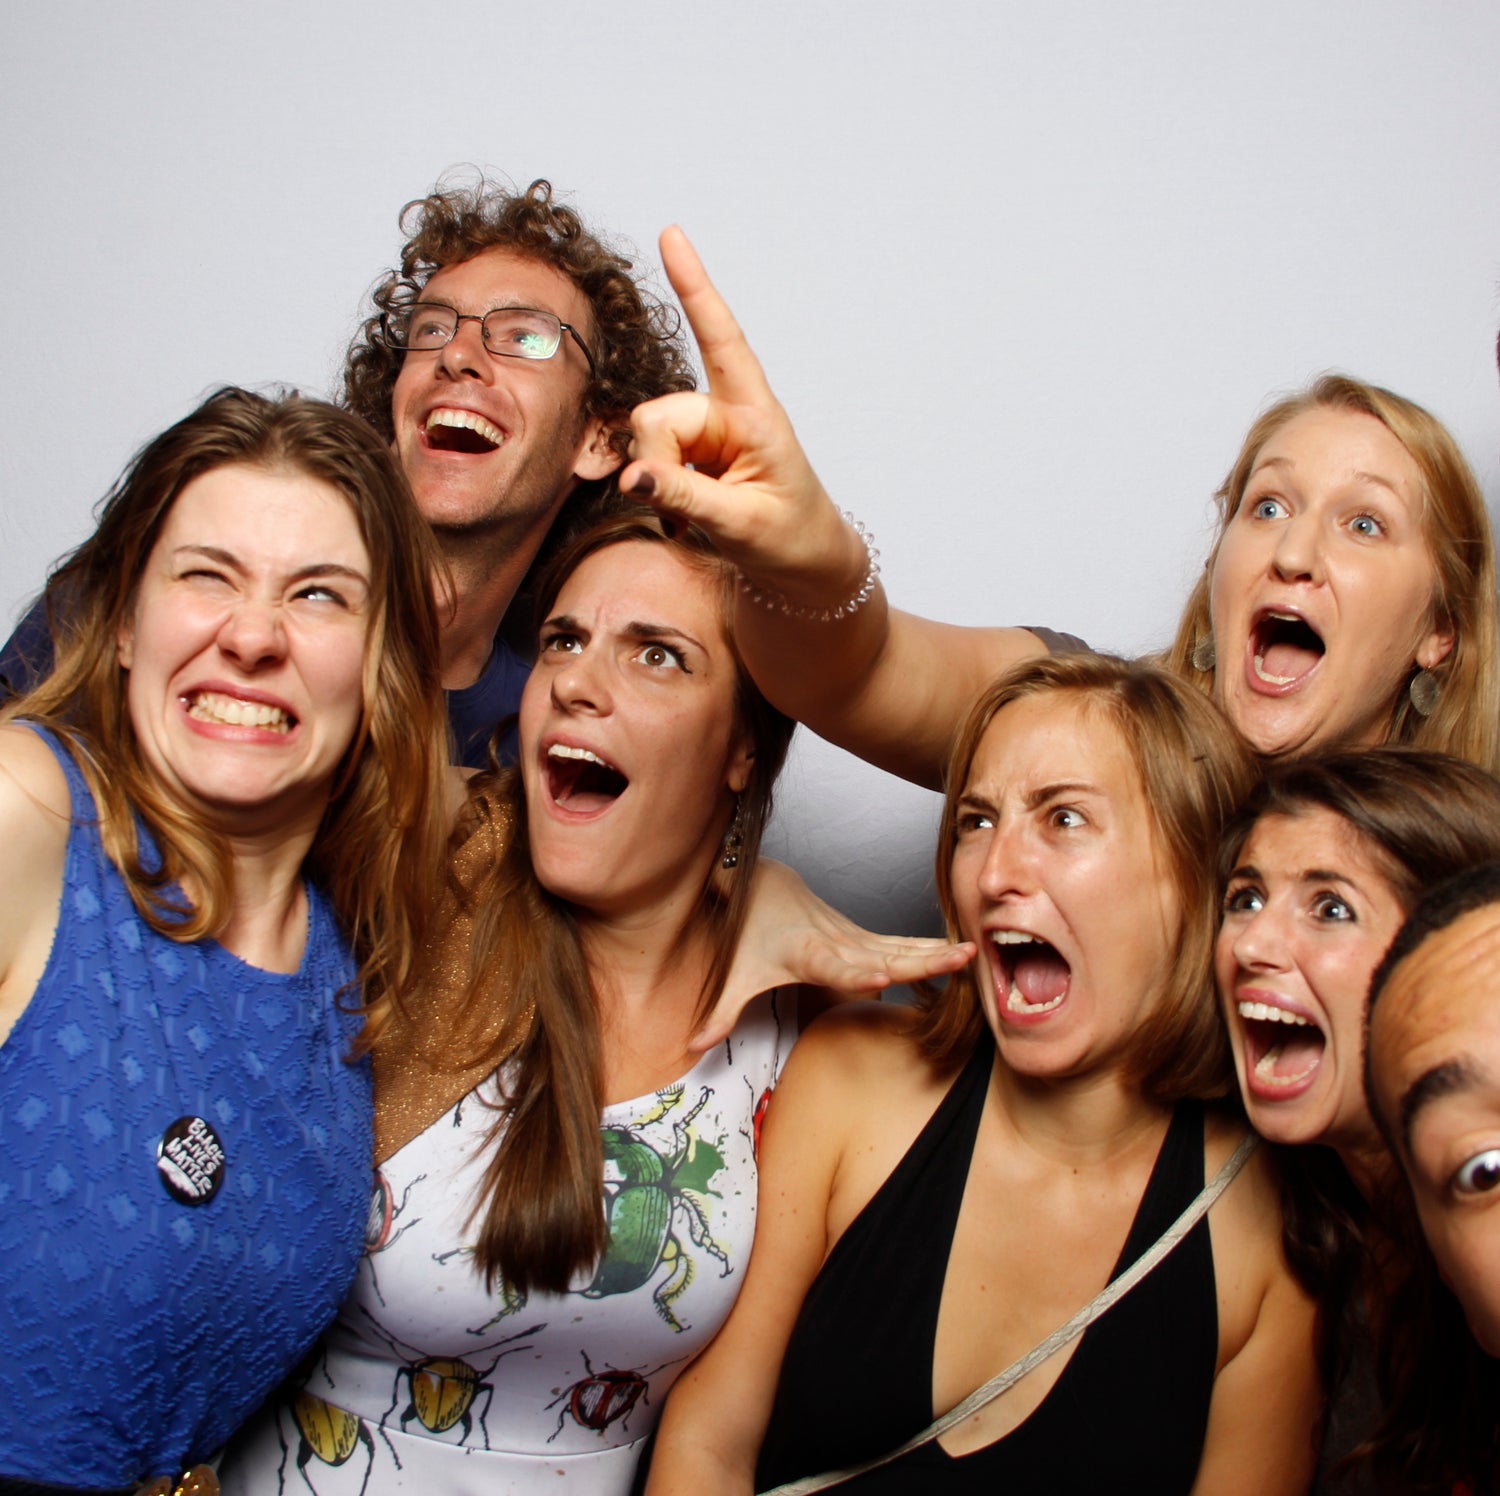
(1447,1079)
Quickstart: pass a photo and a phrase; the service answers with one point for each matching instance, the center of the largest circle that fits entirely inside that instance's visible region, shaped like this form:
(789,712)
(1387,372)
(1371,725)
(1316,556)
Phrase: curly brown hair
(637,342)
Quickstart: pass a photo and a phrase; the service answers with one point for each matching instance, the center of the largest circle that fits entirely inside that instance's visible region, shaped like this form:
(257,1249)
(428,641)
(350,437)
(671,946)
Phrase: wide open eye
(1480,1174)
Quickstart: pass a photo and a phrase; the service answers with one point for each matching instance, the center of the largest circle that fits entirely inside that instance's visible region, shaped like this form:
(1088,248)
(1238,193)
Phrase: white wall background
(1105,234)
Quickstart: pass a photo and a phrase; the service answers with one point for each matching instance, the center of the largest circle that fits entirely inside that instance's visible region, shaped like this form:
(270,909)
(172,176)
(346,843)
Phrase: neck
(487,568)
(267,924)
(649,975)
(1084,1121)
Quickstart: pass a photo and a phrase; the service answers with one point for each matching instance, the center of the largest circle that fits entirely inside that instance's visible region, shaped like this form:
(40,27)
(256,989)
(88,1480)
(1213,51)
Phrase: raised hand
(730,462)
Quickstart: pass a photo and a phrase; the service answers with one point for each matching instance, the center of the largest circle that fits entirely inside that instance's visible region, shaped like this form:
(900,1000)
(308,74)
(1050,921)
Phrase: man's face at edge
(1434,1056)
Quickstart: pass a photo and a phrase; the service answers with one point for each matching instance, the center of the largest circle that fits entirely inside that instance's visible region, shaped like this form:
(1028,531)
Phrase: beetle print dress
(431,1382)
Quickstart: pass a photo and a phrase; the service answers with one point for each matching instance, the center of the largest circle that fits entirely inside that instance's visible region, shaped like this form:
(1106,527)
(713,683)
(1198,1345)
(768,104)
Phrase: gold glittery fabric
(426,1061)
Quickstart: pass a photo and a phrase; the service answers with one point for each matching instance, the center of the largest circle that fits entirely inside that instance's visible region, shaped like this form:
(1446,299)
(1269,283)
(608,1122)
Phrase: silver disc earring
(1424,691)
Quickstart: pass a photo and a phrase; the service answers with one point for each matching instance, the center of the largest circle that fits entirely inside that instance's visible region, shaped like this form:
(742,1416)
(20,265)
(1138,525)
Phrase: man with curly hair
(502,359)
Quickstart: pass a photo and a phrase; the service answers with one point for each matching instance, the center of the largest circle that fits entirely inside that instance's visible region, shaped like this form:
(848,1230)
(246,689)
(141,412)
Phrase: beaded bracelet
(777,602)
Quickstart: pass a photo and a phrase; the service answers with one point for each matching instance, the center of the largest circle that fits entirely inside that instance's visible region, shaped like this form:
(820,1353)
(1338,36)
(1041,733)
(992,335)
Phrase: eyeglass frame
(481,317)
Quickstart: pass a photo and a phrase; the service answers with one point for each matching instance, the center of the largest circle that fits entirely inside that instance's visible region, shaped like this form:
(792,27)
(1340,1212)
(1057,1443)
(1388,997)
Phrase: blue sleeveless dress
(146,1306)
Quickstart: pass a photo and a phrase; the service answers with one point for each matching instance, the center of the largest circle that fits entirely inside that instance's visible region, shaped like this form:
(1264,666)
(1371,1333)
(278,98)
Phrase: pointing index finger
(734,372)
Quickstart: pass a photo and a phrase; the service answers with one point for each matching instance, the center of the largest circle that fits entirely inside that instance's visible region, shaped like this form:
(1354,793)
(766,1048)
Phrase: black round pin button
(190,1160)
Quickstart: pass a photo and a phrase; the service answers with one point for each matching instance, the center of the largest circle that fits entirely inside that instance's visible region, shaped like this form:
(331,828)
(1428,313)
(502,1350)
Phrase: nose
(1005,871)
(580,684)
(464,354)
(1299,549)
(1257,939)
(253,634)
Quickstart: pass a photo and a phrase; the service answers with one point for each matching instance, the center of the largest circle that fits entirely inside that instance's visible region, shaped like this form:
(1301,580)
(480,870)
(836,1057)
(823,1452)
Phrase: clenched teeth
(1265,1013)
(230,711)
(467,420)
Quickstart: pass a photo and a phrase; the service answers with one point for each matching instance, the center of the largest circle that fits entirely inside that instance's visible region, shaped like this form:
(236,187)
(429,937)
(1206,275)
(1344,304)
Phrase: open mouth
(1283,1050)
(461,431)
(1284,648)
(232,711)
(1031,977)
(580,781)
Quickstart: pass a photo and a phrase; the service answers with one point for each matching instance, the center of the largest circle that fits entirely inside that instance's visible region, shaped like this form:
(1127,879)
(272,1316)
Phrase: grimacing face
(245,646)
(1056,878)
(1434,1057)
(1322,589)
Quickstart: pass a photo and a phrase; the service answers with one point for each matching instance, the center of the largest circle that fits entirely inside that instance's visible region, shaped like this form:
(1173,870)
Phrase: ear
(1435,647)
(741,762)
(125,643)
(596,458)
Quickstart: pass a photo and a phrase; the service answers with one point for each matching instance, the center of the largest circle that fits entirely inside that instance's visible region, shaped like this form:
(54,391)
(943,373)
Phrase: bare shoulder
(1255,1284)
(34,798)
(860,1044)
(1251,1207)
(35,815)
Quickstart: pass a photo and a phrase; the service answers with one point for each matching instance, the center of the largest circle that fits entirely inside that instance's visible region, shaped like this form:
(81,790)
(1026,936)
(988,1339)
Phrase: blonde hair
(1194,769)
(1466,720)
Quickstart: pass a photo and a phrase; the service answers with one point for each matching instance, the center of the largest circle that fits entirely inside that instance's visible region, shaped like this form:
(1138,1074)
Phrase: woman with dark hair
(566,1191)
(221,814)
(1320,868)
(943,1188)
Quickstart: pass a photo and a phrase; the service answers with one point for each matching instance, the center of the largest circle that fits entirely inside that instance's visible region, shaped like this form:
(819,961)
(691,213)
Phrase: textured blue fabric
(475,711)
(138,1332)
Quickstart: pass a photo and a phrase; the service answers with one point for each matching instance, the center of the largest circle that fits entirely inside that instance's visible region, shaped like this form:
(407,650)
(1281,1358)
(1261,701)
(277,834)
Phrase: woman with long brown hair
(220,815)
(1320,867)
(566,1191)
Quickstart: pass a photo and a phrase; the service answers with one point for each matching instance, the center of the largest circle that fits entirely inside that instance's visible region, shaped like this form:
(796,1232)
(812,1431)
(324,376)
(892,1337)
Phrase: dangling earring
(1424,690)
(734,838)
(1205,657)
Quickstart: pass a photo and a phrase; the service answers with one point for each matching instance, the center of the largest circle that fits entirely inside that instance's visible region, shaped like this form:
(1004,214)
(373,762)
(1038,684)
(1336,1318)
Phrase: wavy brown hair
(511,983)
(1422,817)
(378,849)
(1194,769)
(1466,722)
(635,338)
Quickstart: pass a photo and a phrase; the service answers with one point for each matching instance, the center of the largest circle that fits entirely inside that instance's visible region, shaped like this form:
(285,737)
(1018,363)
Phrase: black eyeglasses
(509,331)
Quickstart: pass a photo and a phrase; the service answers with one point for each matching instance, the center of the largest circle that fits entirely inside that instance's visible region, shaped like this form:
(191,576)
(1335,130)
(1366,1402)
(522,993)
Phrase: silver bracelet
(778,602)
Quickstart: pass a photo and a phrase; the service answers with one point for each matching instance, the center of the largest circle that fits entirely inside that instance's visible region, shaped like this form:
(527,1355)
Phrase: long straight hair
(378,849)
(512,984)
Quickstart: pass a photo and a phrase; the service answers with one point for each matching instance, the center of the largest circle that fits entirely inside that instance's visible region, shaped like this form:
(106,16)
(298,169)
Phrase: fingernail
(644,486)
